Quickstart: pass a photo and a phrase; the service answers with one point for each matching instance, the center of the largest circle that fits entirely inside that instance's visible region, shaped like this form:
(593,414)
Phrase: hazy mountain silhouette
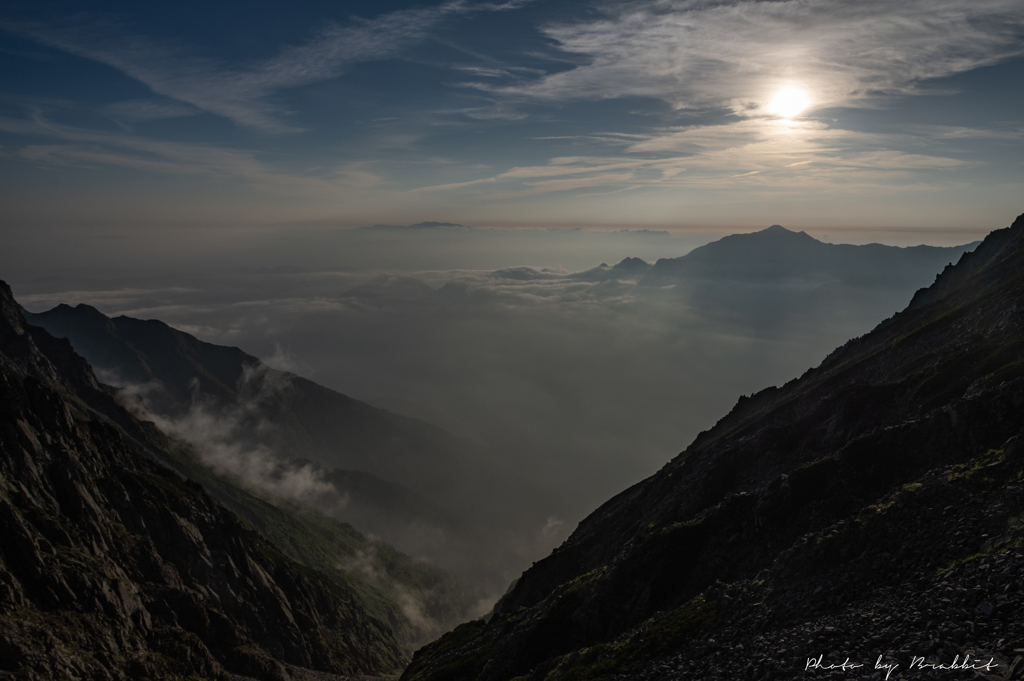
(870,509)
(627,268)
(296,418)
(419,226)
(777,253)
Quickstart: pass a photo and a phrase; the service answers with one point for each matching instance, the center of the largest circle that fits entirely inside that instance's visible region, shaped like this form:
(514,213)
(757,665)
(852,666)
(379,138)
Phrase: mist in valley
(563,384)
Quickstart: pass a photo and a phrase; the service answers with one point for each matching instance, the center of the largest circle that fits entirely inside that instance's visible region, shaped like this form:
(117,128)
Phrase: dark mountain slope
(416,599)
(114,567)
(306,431)
(307,420)
(828,516)
(778,253)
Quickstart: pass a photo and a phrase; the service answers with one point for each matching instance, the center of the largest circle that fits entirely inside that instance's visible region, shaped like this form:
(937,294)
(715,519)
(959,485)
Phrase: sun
(789,103)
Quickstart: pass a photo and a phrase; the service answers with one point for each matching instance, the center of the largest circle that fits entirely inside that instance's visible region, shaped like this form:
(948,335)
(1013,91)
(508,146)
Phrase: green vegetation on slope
(418,600)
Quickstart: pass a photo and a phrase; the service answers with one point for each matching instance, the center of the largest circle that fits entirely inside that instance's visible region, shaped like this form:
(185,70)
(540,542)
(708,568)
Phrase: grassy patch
(465,666)
(658,636)
(966,471)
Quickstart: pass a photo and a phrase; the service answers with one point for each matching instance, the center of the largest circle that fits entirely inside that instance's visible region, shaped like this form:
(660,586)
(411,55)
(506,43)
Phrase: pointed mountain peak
(87,310)
(66,314)
(632,264)
(10,311)
(779,230)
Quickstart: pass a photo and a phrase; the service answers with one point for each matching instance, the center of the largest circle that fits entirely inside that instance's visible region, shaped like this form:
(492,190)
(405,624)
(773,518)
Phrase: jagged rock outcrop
(872,507)
(114,567)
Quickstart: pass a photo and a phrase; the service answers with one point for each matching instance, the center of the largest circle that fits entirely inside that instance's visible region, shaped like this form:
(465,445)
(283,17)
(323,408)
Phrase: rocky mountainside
(872,509)
(417,600)
(176,373)
(778,253)
(114,567)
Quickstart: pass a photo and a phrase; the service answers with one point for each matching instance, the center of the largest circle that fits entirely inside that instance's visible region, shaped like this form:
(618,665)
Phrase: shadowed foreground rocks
(114,567)
(871,510)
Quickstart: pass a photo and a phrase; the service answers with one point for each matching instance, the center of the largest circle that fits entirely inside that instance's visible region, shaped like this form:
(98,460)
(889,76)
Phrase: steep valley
(870,509)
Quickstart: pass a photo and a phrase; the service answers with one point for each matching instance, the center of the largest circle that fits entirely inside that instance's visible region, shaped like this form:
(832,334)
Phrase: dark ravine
(114,567)
(872,507)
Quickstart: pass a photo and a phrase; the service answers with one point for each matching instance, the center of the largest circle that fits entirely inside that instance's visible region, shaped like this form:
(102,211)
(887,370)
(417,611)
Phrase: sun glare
(789,103)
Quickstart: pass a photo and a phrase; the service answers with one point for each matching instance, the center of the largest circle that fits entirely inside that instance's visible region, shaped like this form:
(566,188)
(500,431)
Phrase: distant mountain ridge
(870,509)
(627,268)
(310,421)
(418,227)
(779,253)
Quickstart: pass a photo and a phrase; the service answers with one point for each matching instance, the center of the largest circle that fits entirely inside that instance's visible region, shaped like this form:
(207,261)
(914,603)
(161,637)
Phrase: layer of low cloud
(576,385)
(222,437)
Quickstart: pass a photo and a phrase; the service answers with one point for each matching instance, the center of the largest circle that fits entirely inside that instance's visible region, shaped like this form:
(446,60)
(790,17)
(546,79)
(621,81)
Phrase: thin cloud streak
(241,95)
(783,153)
(87,147)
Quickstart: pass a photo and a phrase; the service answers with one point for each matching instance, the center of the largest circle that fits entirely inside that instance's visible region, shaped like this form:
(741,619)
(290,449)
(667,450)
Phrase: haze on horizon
(181,130)
(568,385)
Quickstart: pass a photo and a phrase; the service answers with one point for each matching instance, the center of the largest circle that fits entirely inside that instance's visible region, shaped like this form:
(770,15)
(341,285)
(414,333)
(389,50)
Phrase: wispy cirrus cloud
(135,110)
(959,132)
(735,54)
(727,59)
(75,146)
(243,94)
(778,153)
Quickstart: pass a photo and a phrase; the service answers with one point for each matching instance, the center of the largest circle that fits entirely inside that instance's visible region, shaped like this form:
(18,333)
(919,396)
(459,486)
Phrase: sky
(215,123)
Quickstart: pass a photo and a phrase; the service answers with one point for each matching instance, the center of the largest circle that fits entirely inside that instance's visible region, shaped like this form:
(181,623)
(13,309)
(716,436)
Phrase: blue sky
(675,114)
